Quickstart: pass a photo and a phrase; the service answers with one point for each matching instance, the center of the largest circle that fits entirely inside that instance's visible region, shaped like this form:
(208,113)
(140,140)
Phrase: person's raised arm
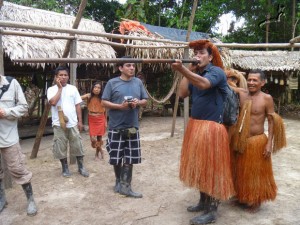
(53,101)
(86,96)
(196,80)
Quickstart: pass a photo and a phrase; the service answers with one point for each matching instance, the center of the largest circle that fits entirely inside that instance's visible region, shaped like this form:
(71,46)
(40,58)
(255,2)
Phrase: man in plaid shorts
(122,96)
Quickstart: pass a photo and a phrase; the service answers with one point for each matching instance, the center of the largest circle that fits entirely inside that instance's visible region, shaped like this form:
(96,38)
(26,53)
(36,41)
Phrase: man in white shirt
(13,105)
(66,121)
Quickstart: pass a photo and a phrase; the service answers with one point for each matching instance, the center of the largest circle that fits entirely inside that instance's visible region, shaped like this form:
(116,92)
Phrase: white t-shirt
(69,98)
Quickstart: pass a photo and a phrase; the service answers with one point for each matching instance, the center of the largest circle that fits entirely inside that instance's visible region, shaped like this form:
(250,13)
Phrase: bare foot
(97,158)
(254,208)
(102,154)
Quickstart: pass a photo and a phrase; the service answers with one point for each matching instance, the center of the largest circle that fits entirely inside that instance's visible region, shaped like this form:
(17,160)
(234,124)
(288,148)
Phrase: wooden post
(7,177)
(175,107)
(40,131)
(73,66)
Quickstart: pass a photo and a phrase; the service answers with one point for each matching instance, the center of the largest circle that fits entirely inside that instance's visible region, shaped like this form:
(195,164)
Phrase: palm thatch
(17,47)
(265,60)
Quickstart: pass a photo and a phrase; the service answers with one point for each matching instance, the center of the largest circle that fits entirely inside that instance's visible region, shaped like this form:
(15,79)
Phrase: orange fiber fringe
(255,181)
(279,139)
(241,133)
(205,159)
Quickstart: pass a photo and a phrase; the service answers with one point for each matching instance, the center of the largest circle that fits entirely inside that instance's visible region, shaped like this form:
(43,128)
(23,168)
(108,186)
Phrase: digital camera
(128,98)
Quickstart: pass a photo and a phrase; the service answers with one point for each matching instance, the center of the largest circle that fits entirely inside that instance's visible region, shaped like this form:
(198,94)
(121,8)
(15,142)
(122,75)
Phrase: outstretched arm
(198,81)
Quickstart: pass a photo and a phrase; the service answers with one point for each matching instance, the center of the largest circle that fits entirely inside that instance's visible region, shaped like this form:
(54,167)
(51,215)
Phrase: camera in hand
(128,98)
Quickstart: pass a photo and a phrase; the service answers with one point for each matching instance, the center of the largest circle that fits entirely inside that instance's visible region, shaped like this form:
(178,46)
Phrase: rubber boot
(65,168)
(209,215)
(117,169)
(200,206)
(125,183)
(81,168)
(31,207)
(3,201)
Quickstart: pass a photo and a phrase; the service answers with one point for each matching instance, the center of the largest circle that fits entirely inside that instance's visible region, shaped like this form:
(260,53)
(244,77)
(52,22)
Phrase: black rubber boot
(81,168)
(200,206)
(65,168)
(209,215)
(125,183)
(117,169)
(3,201)
(31,207)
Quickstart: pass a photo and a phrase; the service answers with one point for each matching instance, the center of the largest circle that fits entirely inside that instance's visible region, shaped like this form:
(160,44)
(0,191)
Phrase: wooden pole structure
(73,66)
(117,36)
(99,60)
(187,99)
(44,118)
(81,32)
(294,40)
(7,178)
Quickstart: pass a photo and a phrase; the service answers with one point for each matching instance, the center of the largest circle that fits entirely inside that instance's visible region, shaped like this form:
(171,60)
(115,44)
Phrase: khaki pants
(15,161)
(61,140)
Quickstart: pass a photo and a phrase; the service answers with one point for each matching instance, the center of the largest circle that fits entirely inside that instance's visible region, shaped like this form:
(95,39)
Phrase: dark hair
(260,72)
(122,63)
(209,50)
(60,68)
(100,94)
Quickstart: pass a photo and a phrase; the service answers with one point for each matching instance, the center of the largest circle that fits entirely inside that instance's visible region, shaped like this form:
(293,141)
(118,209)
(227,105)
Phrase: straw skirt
(254,175)
(205,159)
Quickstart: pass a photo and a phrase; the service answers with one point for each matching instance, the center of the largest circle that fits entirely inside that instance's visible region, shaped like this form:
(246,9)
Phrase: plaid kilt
(120,147)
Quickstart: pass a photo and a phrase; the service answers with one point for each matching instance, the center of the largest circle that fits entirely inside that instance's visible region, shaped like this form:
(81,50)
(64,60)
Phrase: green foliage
(255,14)
(103,11)
(161,84)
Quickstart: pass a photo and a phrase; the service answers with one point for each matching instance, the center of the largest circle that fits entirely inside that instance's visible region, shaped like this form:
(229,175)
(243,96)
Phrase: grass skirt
(254,175)
(205,159)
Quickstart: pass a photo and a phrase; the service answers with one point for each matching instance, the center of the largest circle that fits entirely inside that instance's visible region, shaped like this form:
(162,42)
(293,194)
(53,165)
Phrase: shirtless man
(254,181)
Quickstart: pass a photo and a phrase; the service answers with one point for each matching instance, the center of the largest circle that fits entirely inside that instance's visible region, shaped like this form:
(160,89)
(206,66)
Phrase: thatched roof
(266,60)
(17,47)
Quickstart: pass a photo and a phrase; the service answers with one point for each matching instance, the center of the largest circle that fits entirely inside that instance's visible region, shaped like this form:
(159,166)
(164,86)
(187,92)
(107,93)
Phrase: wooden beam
(81,32)
(295,39)
(52,37)
(35,35)
(99,60)
(181,44)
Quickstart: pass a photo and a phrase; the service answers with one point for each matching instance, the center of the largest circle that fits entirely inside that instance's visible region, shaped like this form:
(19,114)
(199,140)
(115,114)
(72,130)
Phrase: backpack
(6,87)
(231,107)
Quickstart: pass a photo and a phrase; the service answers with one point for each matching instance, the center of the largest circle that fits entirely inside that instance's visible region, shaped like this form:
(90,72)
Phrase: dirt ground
(78,200)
